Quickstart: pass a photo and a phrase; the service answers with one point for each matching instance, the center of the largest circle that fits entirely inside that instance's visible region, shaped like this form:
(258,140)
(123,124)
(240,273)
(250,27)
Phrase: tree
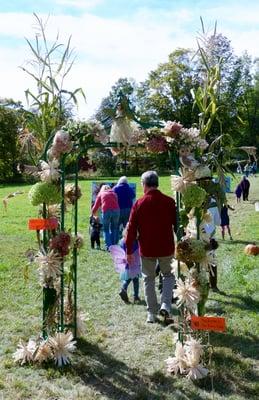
(123,88)
(166,94)
(248,106)
(9,127)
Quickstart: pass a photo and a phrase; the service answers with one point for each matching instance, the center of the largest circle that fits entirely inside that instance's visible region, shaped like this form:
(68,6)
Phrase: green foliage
(9,126)
(166,94)
(105,162)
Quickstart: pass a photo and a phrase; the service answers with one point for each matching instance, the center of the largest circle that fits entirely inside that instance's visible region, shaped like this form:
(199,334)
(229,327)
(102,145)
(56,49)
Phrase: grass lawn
(122,357)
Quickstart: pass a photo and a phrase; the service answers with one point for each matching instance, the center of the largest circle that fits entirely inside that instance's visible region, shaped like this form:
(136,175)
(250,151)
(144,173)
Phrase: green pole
(75,252)
(62,226)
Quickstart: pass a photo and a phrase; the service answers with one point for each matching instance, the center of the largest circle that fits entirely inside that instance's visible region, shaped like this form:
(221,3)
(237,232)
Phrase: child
(225,220)
(95,229)
(238,193)
(126,277)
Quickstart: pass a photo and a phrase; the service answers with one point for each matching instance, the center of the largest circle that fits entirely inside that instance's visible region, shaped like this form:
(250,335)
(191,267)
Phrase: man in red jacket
(152,220)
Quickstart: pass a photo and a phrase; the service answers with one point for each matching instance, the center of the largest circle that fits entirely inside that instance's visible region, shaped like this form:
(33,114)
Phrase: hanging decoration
(195,251)
(56,259)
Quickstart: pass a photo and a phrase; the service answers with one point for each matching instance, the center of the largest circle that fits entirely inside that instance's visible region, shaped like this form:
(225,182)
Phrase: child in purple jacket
(238,193)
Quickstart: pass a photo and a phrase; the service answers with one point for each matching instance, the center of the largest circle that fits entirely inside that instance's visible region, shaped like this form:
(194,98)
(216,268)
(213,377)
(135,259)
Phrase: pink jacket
(107,200)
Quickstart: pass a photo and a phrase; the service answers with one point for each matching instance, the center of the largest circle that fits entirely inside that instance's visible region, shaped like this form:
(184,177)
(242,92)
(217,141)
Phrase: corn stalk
(51,105)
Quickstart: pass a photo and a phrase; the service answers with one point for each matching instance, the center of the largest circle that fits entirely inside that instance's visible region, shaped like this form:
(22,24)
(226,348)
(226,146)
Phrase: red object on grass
(37,224)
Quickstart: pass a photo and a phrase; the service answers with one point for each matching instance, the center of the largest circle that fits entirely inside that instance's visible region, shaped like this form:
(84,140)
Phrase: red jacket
(151,222)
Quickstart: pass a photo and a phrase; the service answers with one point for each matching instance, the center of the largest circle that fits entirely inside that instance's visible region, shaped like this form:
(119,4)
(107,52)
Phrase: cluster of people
(249,168)
(115,204)
(150,231)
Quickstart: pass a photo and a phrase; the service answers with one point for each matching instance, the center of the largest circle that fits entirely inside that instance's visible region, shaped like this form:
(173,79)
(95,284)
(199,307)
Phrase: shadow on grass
(238,241)
(232,376)
(115,380)
(244,303)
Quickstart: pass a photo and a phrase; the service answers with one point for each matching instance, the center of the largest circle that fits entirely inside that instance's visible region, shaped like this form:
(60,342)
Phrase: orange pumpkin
(251,250)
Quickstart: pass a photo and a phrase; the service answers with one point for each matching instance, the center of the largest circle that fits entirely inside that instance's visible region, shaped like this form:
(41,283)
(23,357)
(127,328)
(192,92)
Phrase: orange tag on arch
(36,224)
(217,324)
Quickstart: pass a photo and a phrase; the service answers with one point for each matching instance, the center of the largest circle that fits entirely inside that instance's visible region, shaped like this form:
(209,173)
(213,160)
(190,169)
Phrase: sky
(116,38)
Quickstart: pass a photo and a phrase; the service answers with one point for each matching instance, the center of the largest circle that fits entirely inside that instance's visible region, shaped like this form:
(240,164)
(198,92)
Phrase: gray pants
(149,276)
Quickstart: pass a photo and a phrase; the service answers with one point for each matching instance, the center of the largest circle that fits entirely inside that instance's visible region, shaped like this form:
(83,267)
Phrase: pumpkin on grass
(251,250)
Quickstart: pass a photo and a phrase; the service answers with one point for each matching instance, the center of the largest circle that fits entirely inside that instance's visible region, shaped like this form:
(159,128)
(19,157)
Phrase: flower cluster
(49,171)
(61,243)
(44,192)
(172,128)
(187,293)
(187,360)
(49,267)
(189,250)
(61,145)
(178,136)
(157,144)
(193,196)
(72,193)
(57,348)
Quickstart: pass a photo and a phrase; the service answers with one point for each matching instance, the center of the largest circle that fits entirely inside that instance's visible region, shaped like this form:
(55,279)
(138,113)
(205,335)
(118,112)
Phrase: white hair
(123,179)
(150,179)
(104,188)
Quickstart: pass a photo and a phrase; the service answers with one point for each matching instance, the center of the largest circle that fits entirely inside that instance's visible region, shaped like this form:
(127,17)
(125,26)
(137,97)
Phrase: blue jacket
(125,195)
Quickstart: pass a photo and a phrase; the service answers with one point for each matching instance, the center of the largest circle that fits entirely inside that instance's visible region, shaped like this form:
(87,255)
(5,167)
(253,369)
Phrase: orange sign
(44,224)
(217,324)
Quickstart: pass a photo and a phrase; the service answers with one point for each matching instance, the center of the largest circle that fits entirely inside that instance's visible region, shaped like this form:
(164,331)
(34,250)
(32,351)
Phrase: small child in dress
(126,277)
(95,230)
(238,193)
(225,220)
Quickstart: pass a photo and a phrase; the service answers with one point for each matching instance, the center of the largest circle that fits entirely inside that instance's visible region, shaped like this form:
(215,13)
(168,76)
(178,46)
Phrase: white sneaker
(151,318)
(165,311)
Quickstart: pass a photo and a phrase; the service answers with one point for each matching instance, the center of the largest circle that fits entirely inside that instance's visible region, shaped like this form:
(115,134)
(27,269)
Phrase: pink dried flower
(61,144)
(157,144)
(172,128)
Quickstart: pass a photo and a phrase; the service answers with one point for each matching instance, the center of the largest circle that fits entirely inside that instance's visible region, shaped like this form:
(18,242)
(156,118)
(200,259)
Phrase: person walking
(225,220)
(107,200)
(245,186)
(126,196)
(127,276)
(238,193)
(152,220)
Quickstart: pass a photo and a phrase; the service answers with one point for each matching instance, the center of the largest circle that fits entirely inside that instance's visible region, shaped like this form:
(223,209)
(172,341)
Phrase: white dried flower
(177,363)
(25,351)
(194,348)
(49,171)
(62,344)
(197,371)
(43,353)
(193,132)
(187,293)
(49,265)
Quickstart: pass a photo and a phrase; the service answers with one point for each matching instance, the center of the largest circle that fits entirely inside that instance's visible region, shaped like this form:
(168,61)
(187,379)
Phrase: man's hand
(130,259)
